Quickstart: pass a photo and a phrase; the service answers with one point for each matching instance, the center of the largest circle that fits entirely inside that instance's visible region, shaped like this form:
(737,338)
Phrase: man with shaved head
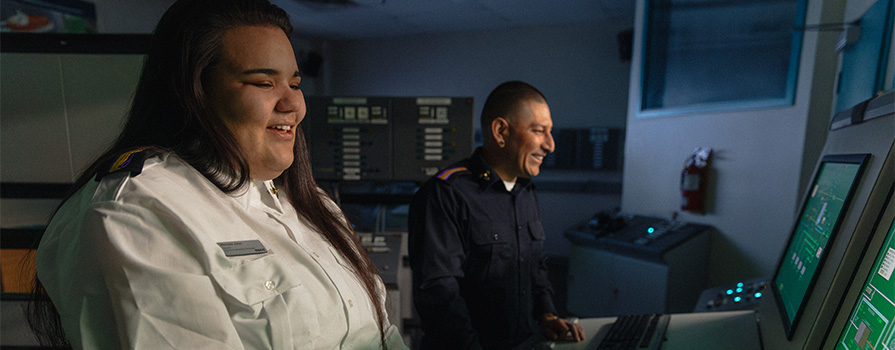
(476,239)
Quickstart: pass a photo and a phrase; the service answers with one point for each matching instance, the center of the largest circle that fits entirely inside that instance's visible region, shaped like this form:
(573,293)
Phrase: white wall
(129,16)
(762,159)
(577,67)
(141,17)
(57,113)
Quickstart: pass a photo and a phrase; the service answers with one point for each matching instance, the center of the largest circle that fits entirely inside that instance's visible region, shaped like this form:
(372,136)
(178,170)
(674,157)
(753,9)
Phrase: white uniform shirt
(135,262)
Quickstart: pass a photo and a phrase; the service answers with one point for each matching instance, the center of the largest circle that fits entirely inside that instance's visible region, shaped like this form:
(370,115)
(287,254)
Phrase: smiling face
(254,90)
(527,141)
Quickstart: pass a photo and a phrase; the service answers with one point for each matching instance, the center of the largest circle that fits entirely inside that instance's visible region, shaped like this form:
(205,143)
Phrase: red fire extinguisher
(694,179)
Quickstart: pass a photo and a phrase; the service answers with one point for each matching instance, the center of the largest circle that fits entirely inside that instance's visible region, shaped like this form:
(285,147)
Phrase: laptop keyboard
(633,332)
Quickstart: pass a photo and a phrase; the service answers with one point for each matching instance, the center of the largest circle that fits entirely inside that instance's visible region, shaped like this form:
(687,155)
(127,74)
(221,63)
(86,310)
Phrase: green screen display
(813,233)
(871,323)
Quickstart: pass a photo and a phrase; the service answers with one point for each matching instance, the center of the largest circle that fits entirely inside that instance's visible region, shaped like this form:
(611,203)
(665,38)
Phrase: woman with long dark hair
(202,226)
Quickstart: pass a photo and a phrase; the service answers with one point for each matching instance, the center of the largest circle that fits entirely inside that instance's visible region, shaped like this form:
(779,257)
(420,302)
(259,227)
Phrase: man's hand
(555,328)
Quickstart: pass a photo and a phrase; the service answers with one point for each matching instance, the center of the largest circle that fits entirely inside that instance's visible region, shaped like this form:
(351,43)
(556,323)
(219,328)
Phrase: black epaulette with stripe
(130,161)
(450,174)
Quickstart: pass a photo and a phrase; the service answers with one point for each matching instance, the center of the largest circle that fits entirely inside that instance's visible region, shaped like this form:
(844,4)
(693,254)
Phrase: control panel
(350,138)
(634,235)
(387,138)
(745,295)
(430,133)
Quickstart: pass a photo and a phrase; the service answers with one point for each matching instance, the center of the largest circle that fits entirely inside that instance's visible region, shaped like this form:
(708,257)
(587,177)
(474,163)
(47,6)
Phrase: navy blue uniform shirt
(476,250)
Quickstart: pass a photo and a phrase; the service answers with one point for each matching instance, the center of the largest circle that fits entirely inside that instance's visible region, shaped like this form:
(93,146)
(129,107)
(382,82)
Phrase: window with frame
(719,54)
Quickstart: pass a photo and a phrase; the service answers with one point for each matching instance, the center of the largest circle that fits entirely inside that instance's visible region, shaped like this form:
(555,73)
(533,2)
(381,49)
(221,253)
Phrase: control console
(744,295)
(628,264)
(633,235)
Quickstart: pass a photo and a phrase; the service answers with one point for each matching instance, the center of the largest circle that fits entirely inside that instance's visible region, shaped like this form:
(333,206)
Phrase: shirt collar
(260,194)
(486,176)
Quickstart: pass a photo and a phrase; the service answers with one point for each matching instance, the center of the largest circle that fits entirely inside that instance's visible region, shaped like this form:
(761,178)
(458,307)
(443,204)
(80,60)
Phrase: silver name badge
(237,248)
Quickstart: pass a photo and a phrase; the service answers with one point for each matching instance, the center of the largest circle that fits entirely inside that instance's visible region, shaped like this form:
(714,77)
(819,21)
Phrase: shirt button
(269,285)
(496,237)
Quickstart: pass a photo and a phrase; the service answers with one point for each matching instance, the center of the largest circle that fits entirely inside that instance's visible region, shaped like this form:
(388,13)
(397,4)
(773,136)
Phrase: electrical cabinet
(649,265)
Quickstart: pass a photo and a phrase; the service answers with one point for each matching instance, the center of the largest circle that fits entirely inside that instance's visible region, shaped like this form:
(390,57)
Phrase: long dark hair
(170,111)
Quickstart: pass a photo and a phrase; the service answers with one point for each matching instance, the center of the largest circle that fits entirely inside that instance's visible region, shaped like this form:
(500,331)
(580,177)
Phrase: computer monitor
(818,223)
(866,319)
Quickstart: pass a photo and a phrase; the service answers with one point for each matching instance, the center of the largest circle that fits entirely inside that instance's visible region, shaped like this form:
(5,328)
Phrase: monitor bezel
(859,159)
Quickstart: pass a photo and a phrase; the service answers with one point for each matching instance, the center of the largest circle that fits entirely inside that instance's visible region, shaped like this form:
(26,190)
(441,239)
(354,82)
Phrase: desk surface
(731,330)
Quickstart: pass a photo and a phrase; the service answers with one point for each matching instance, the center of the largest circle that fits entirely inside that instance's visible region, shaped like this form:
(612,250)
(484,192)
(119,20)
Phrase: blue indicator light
(739,290)
(757,295)
(740,284)
(729,291)
(737,299)
(650,230)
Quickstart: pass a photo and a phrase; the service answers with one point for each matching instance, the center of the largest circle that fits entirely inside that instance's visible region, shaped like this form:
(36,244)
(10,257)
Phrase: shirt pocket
(268,289)
(535,250)
(536,232)
(490,249)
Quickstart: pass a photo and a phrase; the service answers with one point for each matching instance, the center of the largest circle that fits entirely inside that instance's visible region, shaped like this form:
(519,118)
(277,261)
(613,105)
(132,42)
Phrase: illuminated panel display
(871,323)
(386,138)
(350,138)
(816,228)
(431,133)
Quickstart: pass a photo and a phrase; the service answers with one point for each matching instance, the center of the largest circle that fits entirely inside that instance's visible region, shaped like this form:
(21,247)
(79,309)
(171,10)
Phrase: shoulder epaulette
(131,161)
(446,174)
